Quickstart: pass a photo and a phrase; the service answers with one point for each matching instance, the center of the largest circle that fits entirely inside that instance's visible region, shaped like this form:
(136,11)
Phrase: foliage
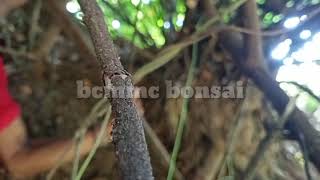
(150,23)
(146,23)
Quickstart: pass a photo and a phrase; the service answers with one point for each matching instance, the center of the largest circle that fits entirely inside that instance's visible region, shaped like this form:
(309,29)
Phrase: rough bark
(128,134)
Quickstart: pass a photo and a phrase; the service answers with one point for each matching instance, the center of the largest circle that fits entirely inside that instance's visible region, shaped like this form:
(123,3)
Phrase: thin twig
(232,137)
(224,12)
(183,115)
(78,141)
(88,121)
(80,134)
(276,32)
(97,143)
(163,153)
(304,88)
(59,163)
(91,118)
(34,26)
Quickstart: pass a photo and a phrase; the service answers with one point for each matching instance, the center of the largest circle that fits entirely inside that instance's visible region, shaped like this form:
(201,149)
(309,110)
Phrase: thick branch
(298,122)
(128,134)
(253,41)
(104,47)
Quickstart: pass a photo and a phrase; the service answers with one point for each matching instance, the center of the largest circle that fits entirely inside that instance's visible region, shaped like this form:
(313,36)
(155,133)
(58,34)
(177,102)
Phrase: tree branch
(253,41)
(298,121)
(128,134)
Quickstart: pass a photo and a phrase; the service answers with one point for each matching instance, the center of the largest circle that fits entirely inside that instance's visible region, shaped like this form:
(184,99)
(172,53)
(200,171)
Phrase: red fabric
(9,109)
